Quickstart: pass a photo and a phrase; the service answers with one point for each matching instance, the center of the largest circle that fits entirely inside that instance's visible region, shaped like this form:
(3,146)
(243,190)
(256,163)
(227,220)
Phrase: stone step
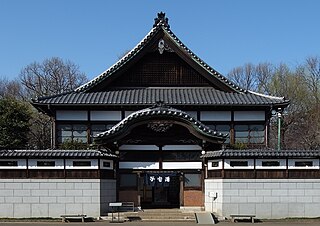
(154,215)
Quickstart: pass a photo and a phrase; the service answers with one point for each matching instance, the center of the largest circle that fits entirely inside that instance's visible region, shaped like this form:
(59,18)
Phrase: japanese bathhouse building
(163,125)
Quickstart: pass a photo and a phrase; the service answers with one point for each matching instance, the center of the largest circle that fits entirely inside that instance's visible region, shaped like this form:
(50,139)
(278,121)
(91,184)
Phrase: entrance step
(155,215)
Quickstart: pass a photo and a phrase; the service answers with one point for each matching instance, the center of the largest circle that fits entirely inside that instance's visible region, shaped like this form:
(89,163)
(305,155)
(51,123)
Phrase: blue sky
(94,33)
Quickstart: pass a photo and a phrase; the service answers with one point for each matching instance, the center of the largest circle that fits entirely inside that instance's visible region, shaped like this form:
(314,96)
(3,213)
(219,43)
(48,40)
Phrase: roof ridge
(51,96)
(204,65)
(130,54)
(266,95)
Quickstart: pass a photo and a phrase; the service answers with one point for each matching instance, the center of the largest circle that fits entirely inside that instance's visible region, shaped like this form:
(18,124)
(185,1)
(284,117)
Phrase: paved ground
(268,223)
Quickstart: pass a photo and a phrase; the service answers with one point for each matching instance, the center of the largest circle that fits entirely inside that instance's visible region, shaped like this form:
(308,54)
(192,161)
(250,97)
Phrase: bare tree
(52,76)
(11,88)
(244,76)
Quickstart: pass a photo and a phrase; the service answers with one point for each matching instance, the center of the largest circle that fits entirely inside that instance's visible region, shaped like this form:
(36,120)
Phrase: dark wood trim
(56,174)
(265,174)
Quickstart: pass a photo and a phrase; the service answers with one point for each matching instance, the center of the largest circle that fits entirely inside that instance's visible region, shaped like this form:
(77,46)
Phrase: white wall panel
(127,113)
(194,114)
(105,115)
(139,165)
(315,163)
(22,164)
(94,164)
(138,147)
(215,116)
(72,115)
(211,162)
(283,164)
(228,166)
(32,164)
(181,147)
(249,116)
(182,165)
(102,161)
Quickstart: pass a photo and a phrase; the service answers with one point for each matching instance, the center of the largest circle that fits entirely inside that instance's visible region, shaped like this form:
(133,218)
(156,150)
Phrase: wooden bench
(73,216)
(250,216)
(118,207)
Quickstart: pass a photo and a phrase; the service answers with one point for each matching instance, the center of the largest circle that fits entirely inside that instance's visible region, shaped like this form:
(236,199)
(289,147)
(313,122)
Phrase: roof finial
(161,19)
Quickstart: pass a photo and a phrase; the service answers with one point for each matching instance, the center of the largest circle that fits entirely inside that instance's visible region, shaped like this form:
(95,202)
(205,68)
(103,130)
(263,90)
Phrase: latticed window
(165,69)
(72,132)
(249,134)
(99,128)
(223,128)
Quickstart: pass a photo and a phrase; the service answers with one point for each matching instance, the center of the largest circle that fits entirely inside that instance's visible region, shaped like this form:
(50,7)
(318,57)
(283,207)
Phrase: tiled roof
(157,112)
(161,24)
(54,154)
(170,96)
(262,153)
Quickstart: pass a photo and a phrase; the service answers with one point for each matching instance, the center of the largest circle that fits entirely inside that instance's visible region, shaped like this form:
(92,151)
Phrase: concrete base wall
(53,197)
(266,198)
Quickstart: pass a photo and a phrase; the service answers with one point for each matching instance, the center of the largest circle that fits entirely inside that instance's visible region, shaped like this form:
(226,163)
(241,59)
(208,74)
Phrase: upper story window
(221,128)
(99,128)
(250,133)
(72,132)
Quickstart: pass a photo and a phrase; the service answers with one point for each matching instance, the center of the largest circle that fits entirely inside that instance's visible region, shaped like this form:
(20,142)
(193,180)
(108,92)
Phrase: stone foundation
(266,198)
(54,197)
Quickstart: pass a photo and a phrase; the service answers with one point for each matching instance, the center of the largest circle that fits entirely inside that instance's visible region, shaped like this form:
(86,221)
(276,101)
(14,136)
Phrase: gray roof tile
(262,153)
(170,96)
(54,153)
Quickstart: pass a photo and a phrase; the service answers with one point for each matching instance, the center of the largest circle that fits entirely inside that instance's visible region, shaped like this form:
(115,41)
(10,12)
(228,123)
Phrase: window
(128,180)
(238,163)
(249,134)
(81,163)
(72,132)
(303,163)
(270,163)
(215,164)
(99,128)
(13,164)
(192,180)
(106,164)
(224,129)
(9,163)
(46,163)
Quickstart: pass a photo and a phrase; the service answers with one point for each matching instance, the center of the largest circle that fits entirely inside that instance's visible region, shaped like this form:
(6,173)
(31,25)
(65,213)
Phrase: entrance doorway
(160,195)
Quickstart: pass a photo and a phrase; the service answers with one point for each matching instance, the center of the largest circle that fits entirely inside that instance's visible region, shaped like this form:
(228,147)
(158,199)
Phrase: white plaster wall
(54,197)
(266,198)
